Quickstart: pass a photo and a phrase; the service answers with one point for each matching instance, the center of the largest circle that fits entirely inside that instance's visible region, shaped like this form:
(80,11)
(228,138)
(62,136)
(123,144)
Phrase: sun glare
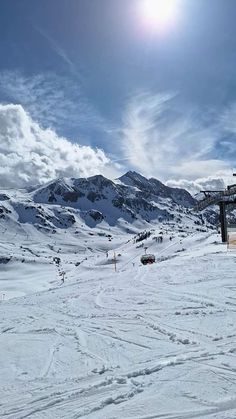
(159,14)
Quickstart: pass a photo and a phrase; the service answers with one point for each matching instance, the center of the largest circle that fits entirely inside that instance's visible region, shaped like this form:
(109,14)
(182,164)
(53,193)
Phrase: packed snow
(144,342)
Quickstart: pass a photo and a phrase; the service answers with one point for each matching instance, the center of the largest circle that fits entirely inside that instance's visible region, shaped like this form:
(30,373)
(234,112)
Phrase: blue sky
(159,102)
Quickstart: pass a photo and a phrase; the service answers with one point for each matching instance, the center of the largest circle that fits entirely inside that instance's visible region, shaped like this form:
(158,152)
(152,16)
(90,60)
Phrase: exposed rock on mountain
(131,197)
(65,202)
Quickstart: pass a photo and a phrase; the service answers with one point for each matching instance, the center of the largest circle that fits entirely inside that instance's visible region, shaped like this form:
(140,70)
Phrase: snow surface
(143,342)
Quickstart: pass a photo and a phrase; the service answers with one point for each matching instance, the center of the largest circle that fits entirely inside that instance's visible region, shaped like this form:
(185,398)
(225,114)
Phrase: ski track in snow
(140,343)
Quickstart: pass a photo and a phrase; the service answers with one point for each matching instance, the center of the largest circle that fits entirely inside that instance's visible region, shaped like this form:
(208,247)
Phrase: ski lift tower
(222,198)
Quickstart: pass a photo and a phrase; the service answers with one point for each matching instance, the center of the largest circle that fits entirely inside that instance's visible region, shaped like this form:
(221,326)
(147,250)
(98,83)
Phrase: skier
(63,277)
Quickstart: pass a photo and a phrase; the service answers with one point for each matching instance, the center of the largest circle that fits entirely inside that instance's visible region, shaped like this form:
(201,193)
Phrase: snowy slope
(138,342)
(143,342)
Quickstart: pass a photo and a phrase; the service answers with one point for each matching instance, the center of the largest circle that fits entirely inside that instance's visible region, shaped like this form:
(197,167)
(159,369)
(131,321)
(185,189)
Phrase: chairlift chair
(147,259)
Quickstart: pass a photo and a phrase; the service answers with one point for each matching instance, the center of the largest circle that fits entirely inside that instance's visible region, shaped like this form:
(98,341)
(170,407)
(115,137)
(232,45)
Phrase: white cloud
(165,141)
(194,169)
(53,100)
(228,118)
(158,139)
(162,142)
(218,182)
(30,154)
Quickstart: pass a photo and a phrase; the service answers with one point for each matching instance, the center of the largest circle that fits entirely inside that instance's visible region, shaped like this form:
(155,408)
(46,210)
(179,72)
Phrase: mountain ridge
(97,199)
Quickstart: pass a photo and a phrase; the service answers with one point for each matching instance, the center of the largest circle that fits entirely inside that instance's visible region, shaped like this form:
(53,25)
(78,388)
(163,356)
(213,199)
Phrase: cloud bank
(203,184)
(157,137)
(30,154)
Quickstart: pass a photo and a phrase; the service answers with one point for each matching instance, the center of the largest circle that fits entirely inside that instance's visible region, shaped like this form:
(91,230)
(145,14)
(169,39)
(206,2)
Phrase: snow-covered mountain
(132,198)
(155,188)
(132,192)
(86,330)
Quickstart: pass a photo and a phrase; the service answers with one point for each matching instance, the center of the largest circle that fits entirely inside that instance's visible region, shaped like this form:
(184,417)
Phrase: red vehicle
(147,259)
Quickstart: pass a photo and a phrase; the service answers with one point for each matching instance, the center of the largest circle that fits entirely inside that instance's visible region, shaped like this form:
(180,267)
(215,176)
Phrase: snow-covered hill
(142,342)
(106,343)
(37,221)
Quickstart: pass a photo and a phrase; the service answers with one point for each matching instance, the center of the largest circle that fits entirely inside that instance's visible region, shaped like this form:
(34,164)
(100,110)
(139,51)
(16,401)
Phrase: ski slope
(143,342)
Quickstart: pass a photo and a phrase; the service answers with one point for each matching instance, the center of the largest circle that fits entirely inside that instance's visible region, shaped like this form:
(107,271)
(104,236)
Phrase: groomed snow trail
(142,343)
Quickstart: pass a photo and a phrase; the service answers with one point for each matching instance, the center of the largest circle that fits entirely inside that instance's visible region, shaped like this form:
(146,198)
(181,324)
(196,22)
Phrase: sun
(159,14)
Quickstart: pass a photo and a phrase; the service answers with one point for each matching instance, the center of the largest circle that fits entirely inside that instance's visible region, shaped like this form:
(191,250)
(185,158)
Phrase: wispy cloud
(158,137)
(59,51)
(54,101)
(164,140)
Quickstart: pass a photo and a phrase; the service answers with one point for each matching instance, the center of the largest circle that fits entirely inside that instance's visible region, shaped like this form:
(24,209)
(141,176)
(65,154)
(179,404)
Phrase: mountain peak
(132,178)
